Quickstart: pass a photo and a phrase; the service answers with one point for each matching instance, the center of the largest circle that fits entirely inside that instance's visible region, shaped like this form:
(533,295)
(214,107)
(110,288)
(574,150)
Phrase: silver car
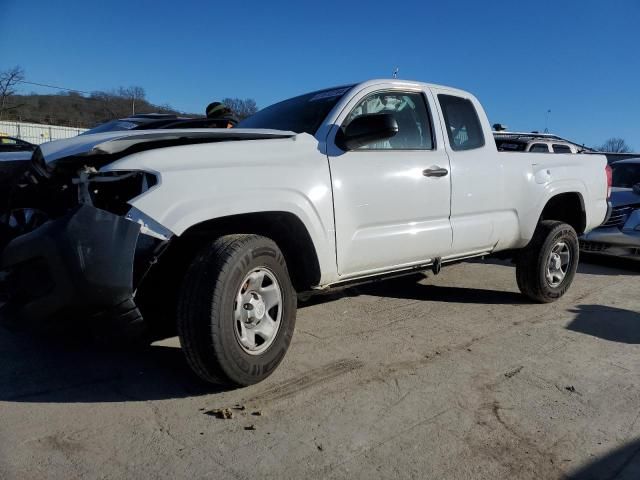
(620,234)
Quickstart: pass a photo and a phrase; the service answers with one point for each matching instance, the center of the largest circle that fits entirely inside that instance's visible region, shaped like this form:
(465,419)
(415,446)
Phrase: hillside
(76,110)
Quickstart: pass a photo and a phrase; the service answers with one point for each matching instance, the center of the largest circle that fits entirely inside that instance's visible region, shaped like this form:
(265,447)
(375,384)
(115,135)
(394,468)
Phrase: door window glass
(410,112)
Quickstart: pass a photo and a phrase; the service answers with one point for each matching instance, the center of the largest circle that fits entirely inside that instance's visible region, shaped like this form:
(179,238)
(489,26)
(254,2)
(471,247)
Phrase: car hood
(119,143)
(621,197)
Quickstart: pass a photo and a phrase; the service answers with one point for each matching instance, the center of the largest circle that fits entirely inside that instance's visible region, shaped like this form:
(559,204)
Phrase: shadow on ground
(608,323)
(61,368)
(409,288)
(602,265)
(437,293)
(51,369)
(590,264)
(620,464)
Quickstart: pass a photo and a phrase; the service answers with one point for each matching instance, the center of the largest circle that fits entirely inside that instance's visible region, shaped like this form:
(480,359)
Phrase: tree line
(86,110)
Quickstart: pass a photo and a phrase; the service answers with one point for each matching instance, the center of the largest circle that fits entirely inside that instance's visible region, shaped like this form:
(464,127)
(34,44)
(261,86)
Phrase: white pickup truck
(218,231)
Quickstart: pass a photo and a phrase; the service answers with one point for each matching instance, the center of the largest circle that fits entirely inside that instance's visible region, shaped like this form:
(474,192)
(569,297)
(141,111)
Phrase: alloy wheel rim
(258,311)
(558,264)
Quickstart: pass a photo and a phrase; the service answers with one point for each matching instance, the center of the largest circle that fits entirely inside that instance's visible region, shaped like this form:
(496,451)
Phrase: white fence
(36,132)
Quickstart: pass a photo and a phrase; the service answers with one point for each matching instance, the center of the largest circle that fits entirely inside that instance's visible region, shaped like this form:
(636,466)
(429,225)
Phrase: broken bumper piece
(77,266)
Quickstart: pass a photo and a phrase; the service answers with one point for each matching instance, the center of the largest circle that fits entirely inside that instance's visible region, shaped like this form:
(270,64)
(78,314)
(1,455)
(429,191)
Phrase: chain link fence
(37,133)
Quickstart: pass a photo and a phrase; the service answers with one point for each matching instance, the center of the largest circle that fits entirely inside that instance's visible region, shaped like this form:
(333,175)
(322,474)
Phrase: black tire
(205,316)
(532,261)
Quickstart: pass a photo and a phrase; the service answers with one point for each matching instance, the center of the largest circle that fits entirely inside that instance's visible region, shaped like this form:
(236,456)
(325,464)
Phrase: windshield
(299,114)
(112,126)
(626,175)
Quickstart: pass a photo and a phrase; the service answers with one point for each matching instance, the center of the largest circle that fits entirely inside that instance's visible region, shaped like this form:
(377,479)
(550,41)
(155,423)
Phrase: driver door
(390,211)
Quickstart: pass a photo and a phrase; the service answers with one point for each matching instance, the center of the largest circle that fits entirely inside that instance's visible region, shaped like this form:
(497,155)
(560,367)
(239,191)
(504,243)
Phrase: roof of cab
(411,83)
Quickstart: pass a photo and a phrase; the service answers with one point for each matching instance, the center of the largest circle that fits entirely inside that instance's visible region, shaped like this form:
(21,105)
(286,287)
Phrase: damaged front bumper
(85,263)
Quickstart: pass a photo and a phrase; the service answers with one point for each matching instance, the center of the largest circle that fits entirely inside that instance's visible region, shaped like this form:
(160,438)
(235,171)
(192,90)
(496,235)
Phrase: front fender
(179,214)
(198,183)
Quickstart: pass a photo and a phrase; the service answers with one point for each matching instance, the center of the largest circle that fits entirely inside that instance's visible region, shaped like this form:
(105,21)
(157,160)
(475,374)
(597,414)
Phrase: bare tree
(134,94)
(8,80)
(615,145)
(242,108)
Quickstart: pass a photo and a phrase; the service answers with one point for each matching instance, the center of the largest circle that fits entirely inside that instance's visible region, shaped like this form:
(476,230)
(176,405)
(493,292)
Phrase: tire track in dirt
(306,381)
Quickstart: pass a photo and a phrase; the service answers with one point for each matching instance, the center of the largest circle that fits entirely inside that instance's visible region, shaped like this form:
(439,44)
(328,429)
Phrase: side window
(409,110)
(539,148)
(510,146)
(463,125)
(561,148)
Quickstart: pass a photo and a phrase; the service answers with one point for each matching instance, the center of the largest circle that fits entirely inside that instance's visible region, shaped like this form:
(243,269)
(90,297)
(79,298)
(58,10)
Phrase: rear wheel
(237,310)
(546,267)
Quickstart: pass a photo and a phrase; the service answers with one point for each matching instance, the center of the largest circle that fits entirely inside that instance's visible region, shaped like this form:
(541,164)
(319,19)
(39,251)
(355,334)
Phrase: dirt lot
(455,376)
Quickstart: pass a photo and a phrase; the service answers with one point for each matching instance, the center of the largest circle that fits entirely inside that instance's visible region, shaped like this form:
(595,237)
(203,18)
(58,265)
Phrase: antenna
(546,121)
(395,72)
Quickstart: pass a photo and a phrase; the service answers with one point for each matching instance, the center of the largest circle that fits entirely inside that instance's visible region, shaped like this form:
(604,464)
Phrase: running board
(436,264)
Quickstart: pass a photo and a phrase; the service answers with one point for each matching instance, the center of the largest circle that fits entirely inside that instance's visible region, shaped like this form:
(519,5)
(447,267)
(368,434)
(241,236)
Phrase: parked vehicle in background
(534,143)
(12,144)
(613,157)
(217,231)
(149,121)
(620,234)
(15,156)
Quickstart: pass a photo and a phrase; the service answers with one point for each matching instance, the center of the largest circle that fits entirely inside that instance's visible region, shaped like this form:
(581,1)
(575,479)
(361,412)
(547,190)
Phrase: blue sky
(580,59)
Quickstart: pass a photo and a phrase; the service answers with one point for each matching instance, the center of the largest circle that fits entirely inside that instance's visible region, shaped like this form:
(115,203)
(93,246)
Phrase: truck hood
(121,142)
(621,197)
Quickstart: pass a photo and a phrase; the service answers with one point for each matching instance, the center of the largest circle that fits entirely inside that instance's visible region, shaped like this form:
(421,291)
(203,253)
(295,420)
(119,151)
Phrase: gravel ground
(454,376)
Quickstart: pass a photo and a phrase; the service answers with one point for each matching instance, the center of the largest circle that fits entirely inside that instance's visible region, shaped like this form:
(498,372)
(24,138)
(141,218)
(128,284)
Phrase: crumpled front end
(72,244)
(79,264)
(72,247)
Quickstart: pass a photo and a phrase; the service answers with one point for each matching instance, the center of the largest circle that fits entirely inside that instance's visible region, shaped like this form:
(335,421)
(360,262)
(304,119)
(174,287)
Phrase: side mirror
(367,129)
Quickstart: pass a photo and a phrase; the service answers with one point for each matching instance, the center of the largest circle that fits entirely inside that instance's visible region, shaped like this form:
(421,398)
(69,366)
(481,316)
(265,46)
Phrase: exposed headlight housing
(111,191)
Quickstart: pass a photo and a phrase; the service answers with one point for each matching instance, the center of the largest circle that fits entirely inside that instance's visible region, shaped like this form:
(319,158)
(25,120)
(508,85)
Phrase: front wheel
(237,310)
(546,267)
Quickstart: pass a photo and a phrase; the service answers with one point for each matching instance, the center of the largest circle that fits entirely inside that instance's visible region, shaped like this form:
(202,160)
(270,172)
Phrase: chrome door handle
(435,172)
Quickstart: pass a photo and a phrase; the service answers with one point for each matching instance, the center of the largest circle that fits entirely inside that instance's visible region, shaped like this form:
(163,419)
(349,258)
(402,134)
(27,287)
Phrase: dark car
(148,121)
(12,144)
(15,155)
(620,234)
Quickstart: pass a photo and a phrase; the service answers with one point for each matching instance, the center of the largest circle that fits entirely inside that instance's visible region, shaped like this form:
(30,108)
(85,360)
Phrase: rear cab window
(539,148)
(507,146)
(561,148)
(462,123)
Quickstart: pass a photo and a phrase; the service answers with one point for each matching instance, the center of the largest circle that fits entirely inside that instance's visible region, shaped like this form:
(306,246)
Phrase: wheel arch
(567,207)
(286,229)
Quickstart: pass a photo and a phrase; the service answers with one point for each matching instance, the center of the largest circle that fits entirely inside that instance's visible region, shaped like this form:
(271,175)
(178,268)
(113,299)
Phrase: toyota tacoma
(218,232)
